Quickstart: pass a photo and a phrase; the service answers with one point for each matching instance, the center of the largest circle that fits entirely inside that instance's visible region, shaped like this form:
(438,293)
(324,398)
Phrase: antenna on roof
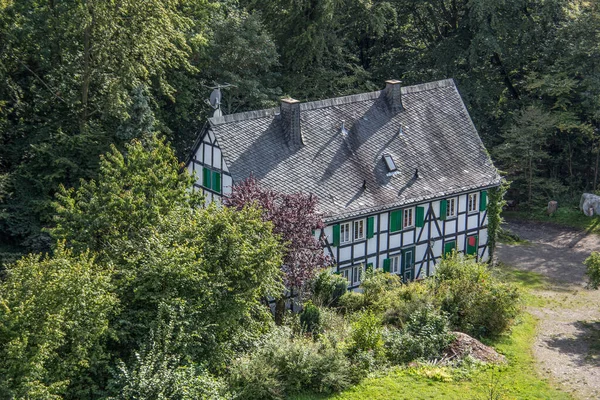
(215,97)
(343,130)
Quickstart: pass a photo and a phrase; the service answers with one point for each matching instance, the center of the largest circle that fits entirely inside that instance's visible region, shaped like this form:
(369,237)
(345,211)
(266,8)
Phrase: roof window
(389,161)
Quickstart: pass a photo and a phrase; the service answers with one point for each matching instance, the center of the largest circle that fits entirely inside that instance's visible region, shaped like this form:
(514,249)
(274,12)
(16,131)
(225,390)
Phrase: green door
(408,264)
(449,246)
(472,244)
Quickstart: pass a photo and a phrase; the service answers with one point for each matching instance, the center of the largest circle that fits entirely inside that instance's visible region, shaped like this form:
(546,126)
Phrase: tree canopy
(80,77)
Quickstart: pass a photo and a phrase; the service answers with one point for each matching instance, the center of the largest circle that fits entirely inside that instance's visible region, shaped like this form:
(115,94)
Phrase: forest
(79,76)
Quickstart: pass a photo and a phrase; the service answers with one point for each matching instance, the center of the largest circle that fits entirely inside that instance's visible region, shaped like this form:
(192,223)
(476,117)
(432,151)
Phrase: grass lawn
(517,380)
(566,216)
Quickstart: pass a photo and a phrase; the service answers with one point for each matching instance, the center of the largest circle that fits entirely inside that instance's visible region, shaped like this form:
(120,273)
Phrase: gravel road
(570,315)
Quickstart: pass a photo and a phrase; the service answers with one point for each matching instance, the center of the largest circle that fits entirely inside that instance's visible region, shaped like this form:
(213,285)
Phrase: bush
(380,290)
(592,264)
(283,366)
(328,288)
(366,334)
(425,336)
(254,378)
(352,302)
(475,301)
(408,300)
(310,319)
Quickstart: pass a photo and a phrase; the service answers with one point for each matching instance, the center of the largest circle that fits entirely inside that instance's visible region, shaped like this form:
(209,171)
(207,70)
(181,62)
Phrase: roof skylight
(389,161)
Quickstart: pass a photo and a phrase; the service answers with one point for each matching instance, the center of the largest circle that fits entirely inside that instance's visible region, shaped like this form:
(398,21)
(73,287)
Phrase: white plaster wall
(384,221)
(359,250)
(407,238)
(372,245)
(345,254)
(216,162)
(451,226)
(472,223)
(207,153)
(395,240)
(383,242)
(462,203)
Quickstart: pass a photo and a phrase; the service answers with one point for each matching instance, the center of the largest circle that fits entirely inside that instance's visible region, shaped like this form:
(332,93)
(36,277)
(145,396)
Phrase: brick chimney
(290,121)
(393,95)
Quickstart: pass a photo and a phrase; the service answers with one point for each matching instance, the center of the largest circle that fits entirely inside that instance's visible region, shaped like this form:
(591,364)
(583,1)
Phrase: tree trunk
(596,169)
(279,310)
(530,180)
(87,75)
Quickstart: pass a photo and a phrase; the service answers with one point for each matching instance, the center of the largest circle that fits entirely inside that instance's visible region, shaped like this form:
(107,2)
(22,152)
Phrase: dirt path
(566,347)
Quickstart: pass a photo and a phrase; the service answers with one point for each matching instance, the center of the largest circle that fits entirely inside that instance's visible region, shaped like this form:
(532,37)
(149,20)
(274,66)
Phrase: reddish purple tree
(294,216)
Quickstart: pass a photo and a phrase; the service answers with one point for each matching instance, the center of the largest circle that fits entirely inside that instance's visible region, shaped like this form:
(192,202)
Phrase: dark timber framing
(417,237)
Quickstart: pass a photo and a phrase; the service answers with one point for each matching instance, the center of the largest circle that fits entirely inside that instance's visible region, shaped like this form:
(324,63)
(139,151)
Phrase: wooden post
(552,206)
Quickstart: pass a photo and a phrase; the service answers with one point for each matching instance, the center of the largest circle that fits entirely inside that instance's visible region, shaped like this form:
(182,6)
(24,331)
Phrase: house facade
(401,174)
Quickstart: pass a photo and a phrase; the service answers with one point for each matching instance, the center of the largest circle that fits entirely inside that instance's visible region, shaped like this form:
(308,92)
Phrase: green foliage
(366,335)
(476,302)
(54,322)
(130,195)
(408,300)
(328,288)
(71,74)
(592,264)
(495,206)
(284,366)
(310,319)
(157,371)
(424,336)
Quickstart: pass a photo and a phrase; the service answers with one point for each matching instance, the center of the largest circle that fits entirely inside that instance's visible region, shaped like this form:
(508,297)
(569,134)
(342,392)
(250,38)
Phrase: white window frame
(451,208)
(346,274)
(356,273)
(346,233)
(473,203)
(359,229)
(395,261)
(408,218)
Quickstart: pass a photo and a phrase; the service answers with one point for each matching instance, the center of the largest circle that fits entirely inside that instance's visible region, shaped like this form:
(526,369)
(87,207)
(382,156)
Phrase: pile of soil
(465,345)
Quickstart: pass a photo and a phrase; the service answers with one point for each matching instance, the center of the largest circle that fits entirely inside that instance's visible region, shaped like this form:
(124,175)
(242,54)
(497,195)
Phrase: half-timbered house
(401,174)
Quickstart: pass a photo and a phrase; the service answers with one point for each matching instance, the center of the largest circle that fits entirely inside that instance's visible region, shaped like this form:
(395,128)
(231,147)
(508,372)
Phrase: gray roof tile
(438,138)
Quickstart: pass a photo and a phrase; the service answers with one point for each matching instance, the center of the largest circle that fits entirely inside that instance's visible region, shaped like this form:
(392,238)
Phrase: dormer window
(391,165)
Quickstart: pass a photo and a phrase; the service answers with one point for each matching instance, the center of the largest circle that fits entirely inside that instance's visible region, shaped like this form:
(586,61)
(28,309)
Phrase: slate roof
(438,138)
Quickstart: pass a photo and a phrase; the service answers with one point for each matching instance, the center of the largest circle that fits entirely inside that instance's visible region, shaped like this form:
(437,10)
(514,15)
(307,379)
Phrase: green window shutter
(370,227)
(206,177)
(483,200)
(472,244)
(216,182)
(443,209)
(396,221)
(449,246)
(386,265)
(336,235)
(420,217)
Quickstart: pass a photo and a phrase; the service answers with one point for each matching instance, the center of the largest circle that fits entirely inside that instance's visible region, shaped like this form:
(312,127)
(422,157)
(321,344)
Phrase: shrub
(475,301)
(328,288)
(254,378)
(408,300)
(367,333)
(592,264)
(425,336)
(380,290)
(352,302)
(284,366)
(310,319)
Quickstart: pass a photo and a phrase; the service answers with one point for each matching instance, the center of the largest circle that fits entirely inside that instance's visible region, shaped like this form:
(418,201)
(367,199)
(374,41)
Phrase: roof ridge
(334,101)
(421,87)
(244,116)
